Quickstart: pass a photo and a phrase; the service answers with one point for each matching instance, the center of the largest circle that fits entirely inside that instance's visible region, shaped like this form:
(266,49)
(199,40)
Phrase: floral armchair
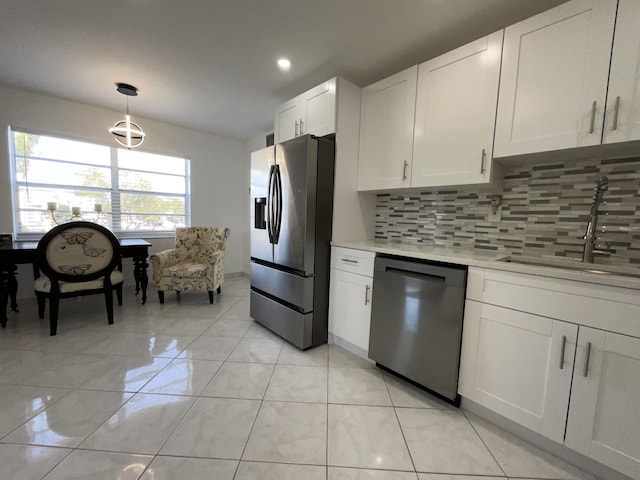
(196,263)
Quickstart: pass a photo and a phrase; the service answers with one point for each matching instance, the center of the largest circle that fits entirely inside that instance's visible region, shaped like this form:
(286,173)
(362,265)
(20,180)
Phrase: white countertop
(495,260)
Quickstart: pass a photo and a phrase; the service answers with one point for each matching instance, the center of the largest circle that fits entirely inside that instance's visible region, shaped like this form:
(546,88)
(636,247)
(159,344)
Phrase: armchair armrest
(161,260)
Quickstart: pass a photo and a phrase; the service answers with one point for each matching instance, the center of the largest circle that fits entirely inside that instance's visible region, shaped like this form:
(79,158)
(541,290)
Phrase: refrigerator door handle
(270,193)
(278,199)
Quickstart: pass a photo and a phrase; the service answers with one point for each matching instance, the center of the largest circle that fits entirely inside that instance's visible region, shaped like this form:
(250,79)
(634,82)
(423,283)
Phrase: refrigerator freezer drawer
(290,288)
(293,326)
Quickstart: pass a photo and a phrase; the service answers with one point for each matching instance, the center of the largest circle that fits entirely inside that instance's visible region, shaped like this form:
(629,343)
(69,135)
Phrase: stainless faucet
(588,252)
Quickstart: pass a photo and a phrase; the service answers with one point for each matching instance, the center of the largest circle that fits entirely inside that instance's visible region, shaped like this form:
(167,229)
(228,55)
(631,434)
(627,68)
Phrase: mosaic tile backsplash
(544,212)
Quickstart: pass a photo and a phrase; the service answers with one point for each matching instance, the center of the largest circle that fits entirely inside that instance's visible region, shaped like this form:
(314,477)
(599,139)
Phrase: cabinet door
(350,307)
(319,106)
(386,132)
(622,121)
(287,122)
(604,414)
(512,363)
(455,115)
(554,79)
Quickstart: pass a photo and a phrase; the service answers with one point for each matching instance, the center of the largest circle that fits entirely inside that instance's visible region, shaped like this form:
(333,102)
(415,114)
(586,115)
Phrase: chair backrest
(195,241)
(78,252)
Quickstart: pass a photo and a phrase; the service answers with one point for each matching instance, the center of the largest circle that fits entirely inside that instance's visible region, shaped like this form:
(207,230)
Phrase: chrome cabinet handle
(482,160)
(297,126)
(593,117)
(615,114)
(301,125)
(348,260)
(586,361)
(562,349)
(366,294)
(404,170)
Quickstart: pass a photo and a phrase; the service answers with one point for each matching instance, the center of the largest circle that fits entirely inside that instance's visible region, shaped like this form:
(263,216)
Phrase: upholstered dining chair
(196,263)
(75,259)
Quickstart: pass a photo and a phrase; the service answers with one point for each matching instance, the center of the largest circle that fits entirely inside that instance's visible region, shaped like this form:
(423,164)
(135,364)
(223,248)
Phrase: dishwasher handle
(452,275)
(417,276)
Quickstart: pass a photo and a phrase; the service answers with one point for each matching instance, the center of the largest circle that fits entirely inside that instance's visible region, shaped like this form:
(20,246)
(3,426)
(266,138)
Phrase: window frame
(114,191)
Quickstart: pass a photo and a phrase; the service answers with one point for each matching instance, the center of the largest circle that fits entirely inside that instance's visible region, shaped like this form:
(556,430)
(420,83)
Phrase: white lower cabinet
(604,413)
(518,365)
(528,356)
(350,294)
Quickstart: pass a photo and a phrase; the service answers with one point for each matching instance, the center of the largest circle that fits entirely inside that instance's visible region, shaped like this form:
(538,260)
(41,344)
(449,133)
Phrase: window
(136,191)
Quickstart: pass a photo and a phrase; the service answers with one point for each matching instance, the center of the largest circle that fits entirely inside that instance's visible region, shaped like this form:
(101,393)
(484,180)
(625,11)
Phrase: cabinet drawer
(352,260)
(599,306)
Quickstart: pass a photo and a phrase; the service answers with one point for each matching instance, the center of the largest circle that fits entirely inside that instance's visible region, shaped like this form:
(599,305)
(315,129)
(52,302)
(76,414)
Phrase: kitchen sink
(575,265)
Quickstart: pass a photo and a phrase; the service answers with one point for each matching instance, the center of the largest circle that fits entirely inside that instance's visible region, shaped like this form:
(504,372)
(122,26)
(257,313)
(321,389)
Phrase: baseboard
(585,463)
(235,275)
(349,347)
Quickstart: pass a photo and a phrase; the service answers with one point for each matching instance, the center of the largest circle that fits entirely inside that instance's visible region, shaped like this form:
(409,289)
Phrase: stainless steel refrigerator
(291,216)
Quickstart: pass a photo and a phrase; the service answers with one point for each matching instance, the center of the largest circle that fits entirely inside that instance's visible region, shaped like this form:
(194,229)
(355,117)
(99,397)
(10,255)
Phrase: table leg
(140,274)
(12,288)
(8,290)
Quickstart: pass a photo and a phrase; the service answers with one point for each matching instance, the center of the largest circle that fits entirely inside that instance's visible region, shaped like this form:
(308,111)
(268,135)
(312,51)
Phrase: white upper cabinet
(287,124)
(622,121)
(553,83)
(386,132)
(312,112)
(319,105)
(455,115)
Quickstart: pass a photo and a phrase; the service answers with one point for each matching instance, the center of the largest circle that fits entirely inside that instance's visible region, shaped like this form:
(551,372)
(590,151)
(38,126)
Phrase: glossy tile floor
(191,391)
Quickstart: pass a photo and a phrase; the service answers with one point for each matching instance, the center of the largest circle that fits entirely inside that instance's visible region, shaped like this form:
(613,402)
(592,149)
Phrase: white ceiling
(210,65)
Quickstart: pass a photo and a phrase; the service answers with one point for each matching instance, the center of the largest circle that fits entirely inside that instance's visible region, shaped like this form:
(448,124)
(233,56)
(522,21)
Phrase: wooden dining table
(19,253)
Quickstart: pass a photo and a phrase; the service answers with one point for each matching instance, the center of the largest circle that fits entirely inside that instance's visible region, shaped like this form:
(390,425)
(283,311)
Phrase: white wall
(256,143)
(219,165)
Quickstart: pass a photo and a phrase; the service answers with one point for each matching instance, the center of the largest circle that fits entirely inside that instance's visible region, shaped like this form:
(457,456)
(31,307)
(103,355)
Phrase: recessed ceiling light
(284,64)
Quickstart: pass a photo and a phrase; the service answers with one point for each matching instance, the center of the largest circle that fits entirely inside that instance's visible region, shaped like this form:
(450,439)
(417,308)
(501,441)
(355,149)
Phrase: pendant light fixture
(127,133)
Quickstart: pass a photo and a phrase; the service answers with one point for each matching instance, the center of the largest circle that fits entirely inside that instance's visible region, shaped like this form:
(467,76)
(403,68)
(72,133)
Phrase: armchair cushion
(43,283)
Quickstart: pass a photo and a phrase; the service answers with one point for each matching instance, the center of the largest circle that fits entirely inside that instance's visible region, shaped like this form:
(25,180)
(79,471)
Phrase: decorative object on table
(6,240)
(76,213)
(77,258)
(196,263)
(127,133)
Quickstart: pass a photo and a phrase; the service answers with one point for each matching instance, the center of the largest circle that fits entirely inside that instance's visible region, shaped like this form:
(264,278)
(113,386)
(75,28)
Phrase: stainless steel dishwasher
(416,321)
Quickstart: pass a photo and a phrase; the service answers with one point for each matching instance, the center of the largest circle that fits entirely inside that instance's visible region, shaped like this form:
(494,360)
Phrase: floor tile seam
(222,364)
(103,450)
(177,425)
(253,424)
(247,362)
(326,459)
(271,400)
(109,415)
(443,408)
(273,462)
(203,334)
(305,366)
(395,413)
(62,459)
(128,355)
(344,404)
(103,390)
(464,414)
(12,384)
(36,414)
(378,469)
(153,455)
